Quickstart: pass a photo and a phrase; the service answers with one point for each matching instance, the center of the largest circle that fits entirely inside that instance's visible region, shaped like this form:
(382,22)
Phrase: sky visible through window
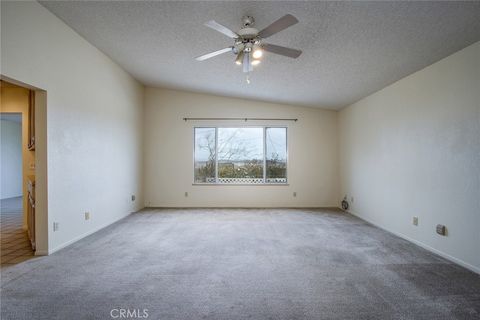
(204,143)
(238,144)
(276,144)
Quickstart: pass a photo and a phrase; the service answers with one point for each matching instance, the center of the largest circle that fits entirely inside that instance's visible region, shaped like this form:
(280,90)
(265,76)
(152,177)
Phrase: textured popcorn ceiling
(350,49)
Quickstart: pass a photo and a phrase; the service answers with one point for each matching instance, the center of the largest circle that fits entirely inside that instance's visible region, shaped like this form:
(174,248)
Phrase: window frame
(264,130)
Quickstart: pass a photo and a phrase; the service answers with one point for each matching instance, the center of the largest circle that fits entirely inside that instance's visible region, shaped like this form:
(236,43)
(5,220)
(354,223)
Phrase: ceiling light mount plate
(248,21)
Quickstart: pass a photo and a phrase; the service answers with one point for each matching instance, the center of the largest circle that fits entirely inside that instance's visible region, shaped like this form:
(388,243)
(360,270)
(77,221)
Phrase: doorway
(17,172)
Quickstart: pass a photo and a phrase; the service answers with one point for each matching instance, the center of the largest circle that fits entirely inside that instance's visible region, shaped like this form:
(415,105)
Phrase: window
(247,155)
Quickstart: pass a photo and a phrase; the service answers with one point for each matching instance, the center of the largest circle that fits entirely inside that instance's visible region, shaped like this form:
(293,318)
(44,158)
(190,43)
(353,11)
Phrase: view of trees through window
(241,155)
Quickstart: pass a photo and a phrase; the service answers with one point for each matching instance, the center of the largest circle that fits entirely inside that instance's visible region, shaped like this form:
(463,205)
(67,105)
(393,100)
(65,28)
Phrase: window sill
(242,184)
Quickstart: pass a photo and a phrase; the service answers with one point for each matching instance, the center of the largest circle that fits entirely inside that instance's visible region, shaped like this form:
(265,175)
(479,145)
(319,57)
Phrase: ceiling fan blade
(213,54)
(279,25)
(220,28)
(284,51)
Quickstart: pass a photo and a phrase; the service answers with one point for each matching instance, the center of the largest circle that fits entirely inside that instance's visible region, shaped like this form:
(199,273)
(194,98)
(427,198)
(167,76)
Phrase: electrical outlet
(56,226)
(87,215)
(295,194)
(415,221)
(441,230)
(186,194)
(133,197)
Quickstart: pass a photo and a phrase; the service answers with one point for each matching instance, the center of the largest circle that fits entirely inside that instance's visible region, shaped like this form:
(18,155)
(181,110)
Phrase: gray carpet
(241,264)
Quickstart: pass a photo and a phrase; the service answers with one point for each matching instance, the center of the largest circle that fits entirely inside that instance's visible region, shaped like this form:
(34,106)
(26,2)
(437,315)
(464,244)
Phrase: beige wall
(94,115)
(15,100)
(413,149)
(312,146)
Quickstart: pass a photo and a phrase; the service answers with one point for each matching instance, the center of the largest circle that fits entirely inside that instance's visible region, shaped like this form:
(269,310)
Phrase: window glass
(240,155)
(276,155)
(204,155)
(245,155)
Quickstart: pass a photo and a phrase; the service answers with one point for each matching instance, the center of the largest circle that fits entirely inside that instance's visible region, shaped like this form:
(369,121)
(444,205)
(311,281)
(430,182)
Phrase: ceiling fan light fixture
(257,52)
(239,59)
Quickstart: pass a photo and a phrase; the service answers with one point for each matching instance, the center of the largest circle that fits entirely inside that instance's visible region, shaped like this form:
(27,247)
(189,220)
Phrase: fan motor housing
(247,33)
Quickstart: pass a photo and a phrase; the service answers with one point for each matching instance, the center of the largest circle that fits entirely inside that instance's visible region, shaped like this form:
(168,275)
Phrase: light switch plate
(415,221)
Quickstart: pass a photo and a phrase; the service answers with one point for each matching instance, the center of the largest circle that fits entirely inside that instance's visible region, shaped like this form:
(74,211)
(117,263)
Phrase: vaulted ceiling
(350,49)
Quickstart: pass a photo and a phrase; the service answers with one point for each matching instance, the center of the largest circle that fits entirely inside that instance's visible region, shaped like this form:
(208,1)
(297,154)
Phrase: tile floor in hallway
(14,244)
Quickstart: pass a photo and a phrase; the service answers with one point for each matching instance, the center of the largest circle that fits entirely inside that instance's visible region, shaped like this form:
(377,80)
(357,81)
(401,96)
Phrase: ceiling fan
(249,42)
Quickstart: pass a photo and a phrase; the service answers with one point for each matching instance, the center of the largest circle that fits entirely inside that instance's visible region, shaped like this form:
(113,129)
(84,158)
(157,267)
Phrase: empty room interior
(240,160)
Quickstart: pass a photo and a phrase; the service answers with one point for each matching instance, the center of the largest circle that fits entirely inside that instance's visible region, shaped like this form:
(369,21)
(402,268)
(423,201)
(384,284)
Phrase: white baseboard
(86,234)
(420,244)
